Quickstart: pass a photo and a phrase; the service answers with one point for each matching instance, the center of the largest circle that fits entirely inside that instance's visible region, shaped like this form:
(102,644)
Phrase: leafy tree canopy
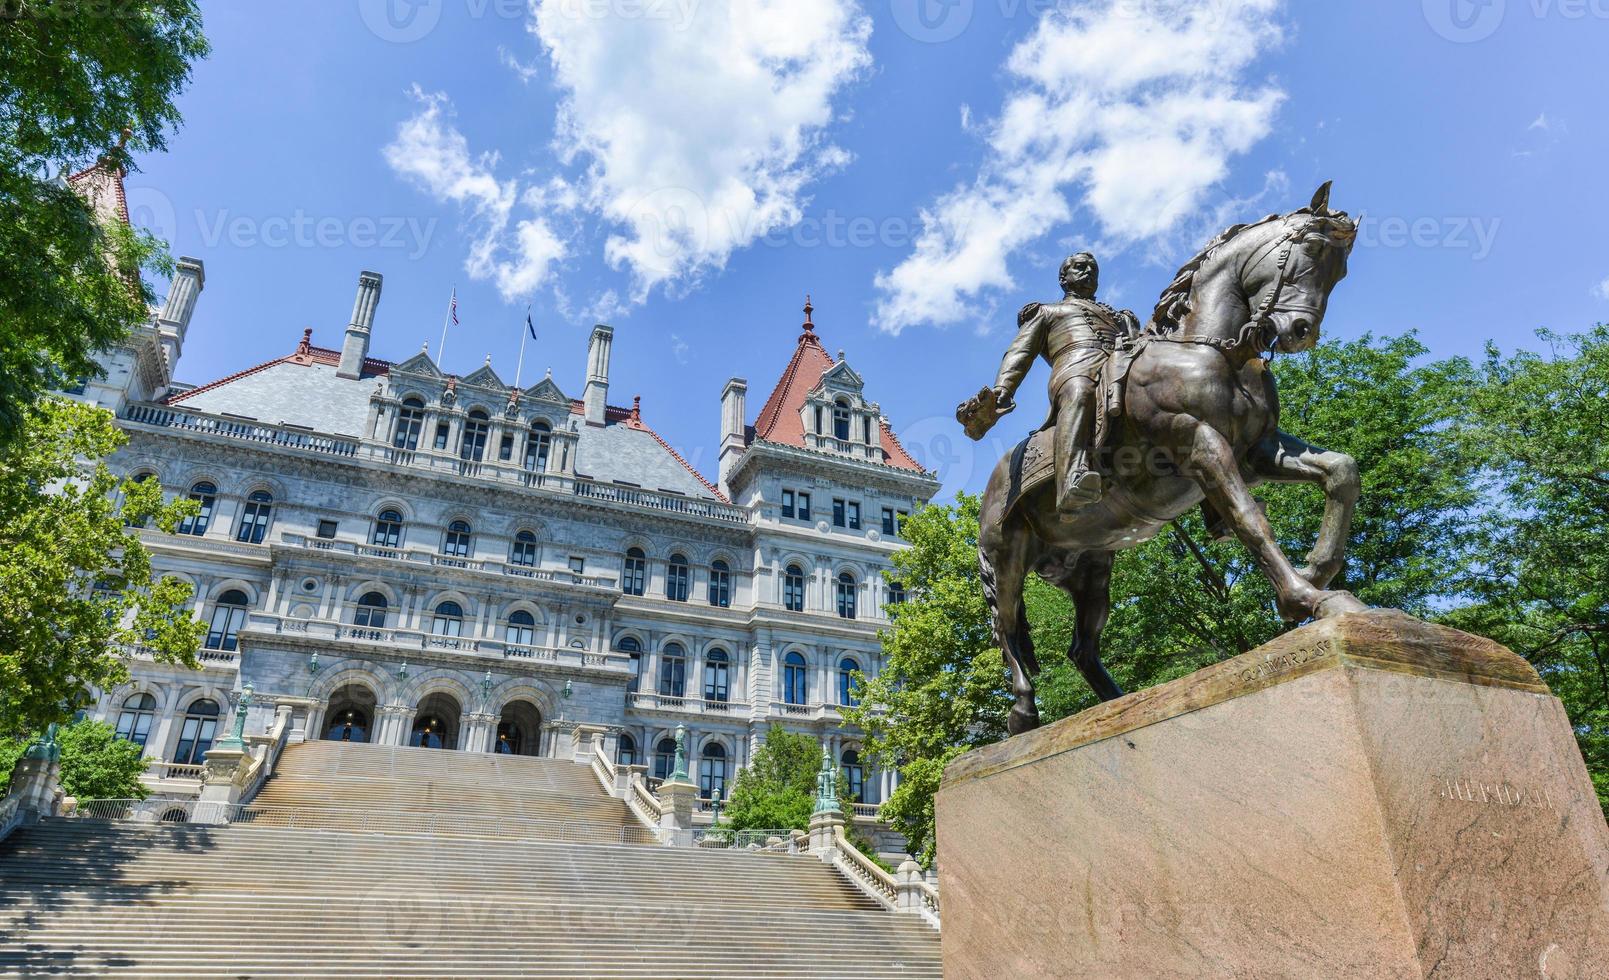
(73,77)
(95,763)
(75,581)
(777,791)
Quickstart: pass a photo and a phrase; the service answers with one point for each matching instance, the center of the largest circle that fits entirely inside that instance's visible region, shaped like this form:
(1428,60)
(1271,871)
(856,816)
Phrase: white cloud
(699,128)
(1601,290)
(1128,111)
(429,151)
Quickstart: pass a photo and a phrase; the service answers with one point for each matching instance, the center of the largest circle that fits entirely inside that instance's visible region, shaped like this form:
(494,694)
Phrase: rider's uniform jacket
(1073,336)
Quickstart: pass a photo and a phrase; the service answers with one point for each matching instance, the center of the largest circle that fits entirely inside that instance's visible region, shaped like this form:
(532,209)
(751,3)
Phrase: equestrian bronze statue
(1147,424)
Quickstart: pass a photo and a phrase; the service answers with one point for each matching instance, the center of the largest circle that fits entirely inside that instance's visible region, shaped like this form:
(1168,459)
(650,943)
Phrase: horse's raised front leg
(1213,465)
(1284,458)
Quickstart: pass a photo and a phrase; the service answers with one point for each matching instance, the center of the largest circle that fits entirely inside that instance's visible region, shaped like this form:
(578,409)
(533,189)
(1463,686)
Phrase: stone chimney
(173,322)
(355,350)
(734,415)
(597,394)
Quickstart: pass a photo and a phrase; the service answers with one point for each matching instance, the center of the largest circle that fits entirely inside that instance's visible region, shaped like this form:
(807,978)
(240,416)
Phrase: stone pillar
(36,779)
(908,884)
(826,820)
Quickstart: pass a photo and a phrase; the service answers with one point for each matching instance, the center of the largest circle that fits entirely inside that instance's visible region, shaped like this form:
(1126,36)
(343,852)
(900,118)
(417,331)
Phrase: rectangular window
(505,449)
(442,429)
(838,512)
(854,516)
(578,564)
(804,507)
(787,503)
(326,529)
(888,521)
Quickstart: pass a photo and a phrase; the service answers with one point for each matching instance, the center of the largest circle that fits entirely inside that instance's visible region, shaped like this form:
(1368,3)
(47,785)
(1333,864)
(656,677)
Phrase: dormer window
(537,447)
(410,420)
(840,420)
(473,444)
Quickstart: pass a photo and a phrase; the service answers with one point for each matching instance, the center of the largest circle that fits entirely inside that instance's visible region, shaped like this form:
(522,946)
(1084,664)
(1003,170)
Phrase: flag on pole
(528,324)
(450,320)
(530,328)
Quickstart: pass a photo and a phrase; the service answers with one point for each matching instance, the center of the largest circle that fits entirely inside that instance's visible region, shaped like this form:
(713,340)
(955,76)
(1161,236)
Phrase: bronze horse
(1199,425)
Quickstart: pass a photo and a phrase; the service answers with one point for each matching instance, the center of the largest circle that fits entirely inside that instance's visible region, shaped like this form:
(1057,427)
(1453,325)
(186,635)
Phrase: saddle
(1033,461)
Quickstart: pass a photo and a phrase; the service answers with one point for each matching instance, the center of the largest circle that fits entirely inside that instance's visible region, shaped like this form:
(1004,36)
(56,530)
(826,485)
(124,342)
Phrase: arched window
(717,676)
(538,445)
(448,620)
(134,722)
(676,577)
(207,496)
(664,758)
(625,750)
(524,551)
(136,478)
(854,775)
(840,420)
(793,588)
(455,544)
(720,583)
(795,679)
(712,772)
(371,611)
(521,630)
(635,576)
(388,530)
(896,593)
(410,421)
(196,734)
(254,518)
(673,671)
(228,615)
(472,444)
(632,646)
(846,596)
(848,688)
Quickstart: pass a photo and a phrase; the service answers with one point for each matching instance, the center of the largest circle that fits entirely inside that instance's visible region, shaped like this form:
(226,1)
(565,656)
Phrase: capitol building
(408,557)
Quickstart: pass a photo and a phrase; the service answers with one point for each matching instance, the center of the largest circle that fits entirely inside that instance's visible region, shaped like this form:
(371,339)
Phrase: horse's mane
(1174,303)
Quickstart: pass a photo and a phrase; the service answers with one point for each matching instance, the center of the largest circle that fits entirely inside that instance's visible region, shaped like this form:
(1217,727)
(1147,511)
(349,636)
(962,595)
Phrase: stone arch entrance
(519,730)
(350,717)
(436,721)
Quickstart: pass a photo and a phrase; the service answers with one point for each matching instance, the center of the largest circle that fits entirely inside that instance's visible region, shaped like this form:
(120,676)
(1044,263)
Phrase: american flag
(455,307)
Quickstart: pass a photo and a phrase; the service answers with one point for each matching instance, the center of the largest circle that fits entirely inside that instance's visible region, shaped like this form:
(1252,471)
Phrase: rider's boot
(1077,483)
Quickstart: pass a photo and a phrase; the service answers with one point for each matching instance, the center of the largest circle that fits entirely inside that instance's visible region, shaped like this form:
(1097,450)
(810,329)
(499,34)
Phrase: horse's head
(1288,281)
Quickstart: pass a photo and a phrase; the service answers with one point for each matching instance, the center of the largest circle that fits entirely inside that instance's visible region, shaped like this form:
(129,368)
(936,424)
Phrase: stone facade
(405,556)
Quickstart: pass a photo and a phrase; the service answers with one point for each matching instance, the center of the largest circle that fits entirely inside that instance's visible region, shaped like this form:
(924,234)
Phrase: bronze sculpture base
(1369,796)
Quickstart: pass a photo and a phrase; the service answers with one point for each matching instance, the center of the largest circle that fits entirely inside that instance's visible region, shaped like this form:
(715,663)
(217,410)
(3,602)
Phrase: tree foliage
(75,581)
(777,790)
(1542,585)
(95,763)
(1181,601)
(73,78)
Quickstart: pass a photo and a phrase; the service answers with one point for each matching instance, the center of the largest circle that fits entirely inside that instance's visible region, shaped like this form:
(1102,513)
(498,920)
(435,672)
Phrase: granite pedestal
(1369,796)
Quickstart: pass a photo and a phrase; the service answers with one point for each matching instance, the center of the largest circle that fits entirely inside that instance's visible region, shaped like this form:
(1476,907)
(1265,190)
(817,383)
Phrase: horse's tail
(1015,638)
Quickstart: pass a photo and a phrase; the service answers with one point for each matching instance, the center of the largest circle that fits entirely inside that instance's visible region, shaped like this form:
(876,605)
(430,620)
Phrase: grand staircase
(463,866)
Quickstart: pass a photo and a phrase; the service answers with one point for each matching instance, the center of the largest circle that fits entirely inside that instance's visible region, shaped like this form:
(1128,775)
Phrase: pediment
(420,364)
(841,377)
(546,391)
(485,377)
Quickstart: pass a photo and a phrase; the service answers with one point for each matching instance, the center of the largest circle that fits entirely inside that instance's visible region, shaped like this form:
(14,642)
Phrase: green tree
(73,78)
(1181,601)
(777,791)
(95,763)
(1542,588)
(75,581)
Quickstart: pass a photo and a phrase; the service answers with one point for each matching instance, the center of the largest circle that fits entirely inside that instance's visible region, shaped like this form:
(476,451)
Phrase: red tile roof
(781,418)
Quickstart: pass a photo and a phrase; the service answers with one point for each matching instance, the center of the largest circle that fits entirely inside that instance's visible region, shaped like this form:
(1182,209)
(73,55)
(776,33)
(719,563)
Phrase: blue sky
(687,171)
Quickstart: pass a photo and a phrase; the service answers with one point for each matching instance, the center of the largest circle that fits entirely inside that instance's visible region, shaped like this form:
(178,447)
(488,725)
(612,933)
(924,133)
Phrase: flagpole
(519,367)
(441,350)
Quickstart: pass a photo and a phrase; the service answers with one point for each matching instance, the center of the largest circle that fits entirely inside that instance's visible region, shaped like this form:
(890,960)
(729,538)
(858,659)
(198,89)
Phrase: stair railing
(906,891)
(10,815)
(263,765)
